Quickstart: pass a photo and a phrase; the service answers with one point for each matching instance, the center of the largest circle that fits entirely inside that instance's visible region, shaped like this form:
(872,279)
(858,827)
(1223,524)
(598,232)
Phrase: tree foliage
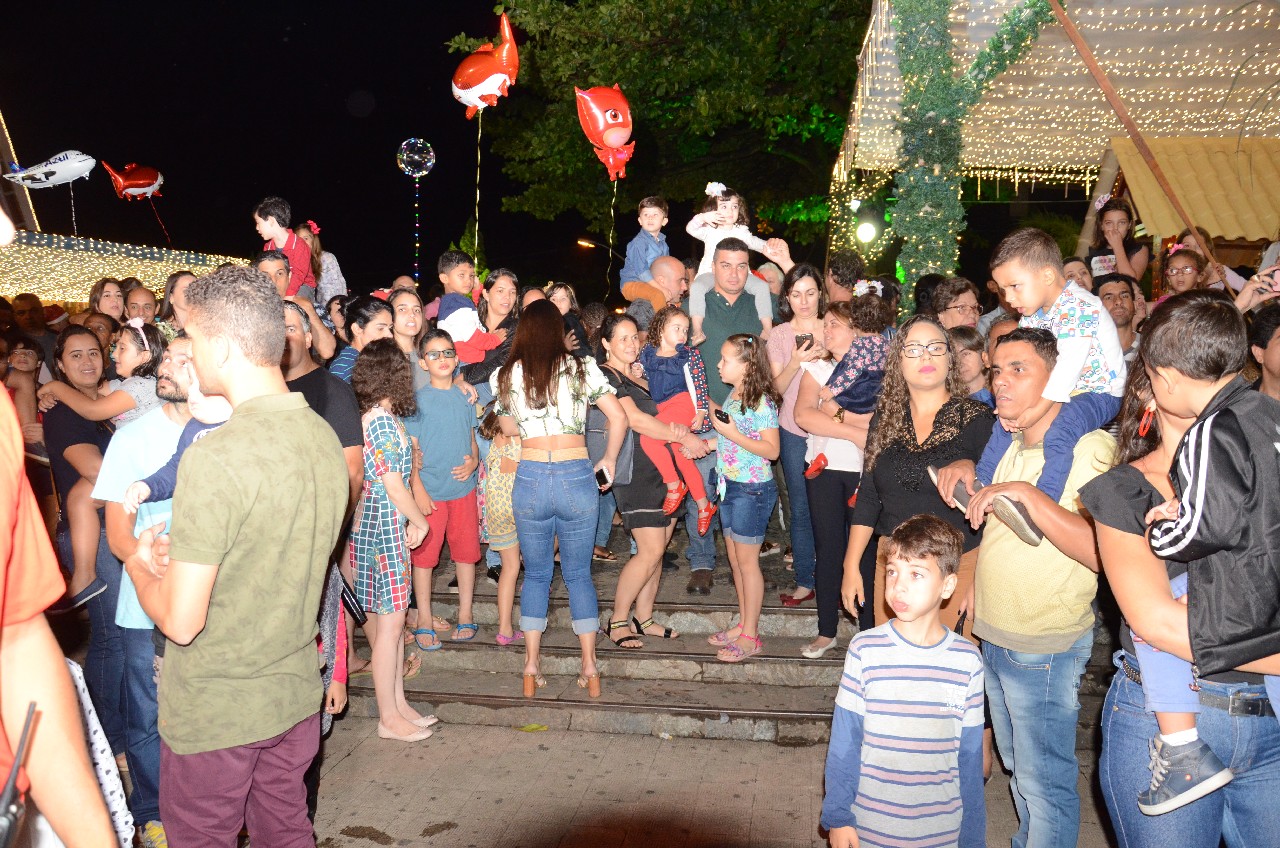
(751,93)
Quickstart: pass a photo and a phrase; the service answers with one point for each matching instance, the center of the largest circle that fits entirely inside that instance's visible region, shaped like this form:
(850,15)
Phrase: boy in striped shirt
(904,768)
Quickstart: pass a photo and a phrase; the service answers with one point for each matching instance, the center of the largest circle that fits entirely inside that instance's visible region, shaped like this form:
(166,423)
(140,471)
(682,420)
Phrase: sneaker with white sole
(1009,511)
(1181,774)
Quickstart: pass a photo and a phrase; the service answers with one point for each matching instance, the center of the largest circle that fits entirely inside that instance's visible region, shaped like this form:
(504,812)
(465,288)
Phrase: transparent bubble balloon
(416,158)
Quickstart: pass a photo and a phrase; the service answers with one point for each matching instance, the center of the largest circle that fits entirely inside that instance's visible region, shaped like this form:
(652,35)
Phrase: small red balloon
(488,72)
(133,181)
(605,116)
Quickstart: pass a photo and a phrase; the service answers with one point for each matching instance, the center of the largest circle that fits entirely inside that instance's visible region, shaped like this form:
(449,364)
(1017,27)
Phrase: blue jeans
(1244,812)
(1084,413)
(557,500)
(702,549)
(1166,679)
(141,714)
(746,509)
(607,506)
(104,658)
(1034,708)
(802,544)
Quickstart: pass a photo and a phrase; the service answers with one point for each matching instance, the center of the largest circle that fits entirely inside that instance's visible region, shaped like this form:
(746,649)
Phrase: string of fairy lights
(1186,69)
(58,268)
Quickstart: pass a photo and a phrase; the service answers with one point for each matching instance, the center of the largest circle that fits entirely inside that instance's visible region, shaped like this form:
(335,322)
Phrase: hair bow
(138,324)
(867,286)
(715,189)
(1176,248)
(1101,202)
(314,227)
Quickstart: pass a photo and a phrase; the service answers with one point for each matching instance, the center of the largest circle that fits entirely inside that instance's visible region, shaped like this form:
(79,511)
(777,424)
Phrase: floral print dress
(379,555)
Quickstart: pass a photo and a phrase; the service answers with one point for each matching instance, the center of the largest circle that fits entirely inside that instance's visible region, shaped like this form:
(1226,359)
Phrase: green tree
(751,93)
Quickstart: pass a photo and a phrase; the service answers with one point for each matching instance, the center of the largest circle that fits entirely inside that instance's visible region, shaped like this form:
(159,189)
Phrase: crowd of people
(955,483)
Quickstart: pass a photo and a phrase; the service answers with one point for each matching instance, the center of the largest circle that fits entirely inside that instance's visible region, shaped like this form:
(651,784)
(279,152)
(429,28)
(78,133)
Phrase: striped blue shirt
(905,762)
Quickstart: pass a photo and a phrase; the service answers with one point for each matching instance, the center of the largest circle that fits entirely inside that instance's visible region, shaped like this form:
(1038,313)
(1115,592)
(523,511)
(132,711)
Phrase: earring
(1148,415)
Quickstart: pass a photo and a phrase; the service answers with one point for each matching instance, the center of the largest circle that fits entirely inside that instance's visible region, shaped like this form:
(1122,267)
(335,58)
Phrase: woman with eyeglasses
(925,417)
(955,301)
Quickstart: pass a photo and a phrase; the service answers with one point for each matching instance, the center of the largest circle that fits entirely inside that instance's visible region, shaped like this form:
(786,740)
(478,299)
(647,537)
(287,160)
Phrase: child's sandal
(732,653)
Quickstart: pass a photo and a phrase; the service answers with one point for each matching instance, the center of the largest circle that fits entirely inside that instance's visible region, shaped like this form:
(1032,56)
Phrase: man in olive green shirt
(257,511)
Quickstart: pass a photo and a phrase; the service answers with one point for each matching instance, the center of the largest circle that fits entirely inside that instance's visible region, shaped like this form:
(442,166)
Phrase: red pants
(675,410)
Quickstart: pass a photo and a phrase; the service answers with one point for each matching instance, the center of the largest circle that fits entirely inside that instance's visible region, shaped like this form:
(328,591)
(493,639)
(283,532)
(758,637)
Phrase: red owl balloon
(605,116)
(487,73)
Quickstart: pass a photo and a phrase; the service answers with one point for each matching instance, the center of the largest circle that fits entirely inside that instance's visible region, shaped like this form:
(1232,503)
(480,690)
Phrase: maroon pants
(206,798)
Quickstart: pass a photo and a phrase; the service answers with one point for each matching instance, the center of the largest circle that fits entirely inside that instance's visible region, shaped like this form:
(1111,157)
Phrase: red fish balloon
(134,181)
(487,73)
(605,116)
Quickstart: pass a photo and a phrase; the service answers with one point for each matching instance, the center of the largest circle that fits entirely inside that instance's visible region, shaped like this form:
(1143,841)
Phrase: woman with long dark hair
(543,394)
(366,319)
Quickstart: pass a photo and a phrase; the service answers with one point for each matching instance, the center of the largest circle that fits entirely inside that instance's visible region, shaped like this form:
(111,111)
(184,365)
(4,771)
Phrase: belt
(557,455)
(1235,704)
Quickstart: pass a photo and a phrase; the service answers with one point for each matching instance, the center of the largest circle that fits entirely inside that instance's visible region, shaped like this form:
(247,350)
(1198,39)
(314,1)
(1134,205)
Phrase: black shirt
(64,429)
(1121,499)
(333,400)
(478,373)
(899,485)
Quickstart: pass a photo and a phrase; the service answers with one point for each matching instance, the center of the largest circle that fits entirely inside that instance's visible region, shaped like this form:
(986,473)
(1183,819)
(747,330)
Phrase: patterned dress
(379,555)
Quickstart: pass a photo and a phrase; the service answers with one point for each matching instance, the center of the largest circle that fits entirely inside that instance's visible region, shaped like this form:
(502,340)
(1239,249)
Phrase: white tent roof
(1184,69)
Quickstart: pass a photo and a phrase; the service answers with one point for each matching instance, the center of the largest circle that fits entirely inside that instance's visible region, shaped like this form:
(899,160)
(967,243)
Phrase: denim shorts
(745,510)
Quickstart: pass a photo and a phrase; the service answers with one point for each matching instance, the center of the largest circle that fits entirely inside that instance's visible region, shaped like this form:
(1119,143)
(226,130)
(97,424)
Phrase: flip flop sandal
(412,665)
(367,668)
(601,554)
(426,631)
(471,629)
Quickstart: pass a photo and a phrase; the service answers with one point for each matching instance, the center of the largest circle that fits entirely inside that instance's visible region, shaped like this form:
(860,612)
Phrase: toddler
(642,251)
(724,215)
(678,385)
(1184,269)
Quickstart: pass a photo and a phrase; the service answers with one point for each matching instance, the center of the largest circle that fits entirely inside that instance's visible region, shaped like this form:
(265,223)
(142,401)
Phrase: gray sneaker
(1009,511)
(1181,774)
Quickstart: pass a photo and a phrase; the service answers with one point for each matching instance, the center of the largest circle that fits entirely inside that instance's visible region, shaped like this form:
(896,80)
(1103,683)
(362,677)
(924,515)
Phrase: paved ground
(493,786)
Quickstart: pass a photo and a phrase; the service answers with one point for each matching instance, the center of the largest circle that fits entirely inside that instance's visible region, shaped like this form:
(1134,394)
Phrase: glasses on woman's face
(964,309)
(447,353)
(915,351)
(1175,272)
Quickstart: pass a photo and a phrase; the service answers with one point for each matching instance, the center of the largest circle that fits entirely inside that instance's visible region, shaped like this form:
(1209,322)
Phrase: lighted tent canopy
(1207,74)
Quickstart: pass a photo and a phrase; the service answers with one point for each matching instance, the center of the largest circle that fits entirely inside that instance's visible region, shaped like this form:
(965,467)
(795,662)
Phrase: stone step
(703,618)
(688,658)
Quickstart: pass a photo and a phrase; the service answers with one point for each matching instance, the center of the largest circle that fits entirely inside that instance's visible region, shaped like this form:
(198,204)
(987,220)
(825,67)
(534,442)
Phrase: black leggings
(831,515)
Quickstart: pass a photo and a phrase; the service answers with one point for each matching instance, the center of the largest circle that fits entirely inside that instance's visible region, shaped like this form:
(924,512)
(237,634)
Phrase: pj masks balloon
(487,73)
(605,116)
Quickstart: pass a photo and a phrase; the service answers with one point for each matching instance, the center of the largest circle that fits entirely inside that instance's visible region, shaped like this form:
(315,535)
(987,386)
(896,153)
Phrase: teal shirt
(722,321)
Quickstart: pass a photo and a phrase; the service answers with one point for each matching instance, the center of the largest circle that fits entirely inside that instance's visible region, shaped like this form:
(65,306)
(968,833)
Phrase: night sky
(233,102)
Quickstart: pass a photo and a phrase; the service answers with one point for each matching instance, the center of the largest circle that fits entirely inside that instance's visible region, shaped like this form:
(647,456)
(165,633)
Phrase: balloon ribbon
(475,247)
(613,218)
(158,221)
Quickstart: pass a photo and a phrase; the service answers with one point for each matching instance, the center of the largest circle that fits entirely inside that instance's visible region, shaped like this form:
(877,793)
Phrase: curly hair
(712,204)
(382,371)
(658,323)
(870,313)
(757,382)
(893,423)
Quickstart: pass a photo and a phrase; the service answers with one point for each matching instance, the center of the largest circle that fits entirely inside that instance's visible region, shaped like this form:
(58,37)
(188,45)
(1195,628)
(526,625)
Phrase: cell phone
(803,340)
(602,477)
(723,416)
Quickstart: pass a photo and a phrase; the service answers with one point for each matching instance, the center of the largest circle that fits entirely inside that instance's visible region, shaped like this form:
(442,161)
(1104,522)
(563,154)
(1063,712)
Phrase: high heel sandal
(532,683)
(643,627)
(674,496)
(591,684)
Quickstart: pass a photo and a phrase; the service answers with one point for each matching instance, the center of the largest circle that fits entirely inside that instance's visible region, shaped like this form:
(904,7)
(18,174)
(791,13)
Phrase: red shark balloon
(135,181)
(605,116)
(488,73)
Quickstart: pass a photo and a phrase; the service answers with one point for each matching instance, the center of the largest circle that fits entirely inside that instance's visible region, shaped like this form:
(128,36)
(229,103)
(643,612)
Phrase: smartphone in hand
(723,416)
(804,340)
(602,478)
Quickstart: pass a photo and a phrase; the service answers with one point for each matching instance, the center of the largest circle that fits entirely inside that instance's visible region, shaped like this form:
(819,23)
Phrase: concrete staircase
(668,688)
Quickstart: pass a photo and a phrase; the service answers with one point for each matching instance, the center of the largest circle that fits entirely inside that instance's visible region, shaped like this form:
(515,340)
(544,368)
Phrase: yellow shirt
(1036,599)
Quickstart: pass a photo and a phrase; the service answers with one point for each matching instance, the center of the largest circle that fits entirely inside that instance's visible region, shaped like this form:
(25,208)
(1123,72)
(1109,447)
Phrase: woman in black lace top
(924,418)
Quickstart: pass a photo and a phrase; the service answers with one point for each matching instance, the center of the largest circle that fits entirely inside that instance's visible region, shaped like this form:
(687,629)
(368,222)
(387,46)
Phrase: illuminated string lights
(63,268)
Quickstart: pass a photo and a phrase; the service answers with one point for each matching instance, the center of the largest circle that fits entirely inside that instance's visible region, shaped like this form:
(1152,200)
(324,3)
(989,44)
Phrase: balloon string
(417,224)
(158,221)
(475,246)
(613,216)
(74,230)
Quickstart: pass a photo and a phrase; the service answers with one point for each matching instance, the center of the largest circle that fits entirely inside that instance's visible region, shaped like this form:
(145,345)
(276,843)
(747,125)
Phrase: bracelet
(839,416)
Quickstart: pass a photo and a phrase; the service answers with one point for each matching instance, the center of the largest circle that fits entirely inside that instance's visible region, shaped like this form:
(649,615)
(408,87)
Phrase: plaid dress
(379,556)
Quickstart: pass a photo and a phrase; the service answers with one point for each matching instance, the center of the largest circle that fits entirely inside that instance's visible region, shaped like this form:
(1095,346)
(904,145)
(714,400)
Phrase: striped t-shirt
(906,741)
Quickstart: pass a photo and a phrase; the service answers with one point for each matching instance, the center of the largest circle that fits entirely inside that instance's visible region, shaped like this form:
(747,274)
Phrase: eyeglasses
(447,353)
(915,351)
(1174,272)
(965,310)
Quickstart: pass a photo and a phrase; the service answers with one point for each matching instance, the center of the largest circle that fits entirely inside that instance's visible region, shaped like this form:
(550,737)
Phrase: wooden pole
(1122,112)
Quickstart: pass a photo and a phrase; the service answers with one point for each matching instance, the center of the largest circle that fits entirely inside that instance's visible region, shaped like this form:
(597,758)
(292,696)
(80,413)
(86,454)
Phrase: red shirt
(29,579)
(299,263)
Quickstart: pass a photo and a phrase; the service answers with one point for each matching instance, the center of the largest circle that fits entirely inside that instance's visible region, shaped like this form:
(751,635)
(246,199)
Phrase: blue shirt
(135,453)
(443,426)
(641,253)
(344,364)
(164,481)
